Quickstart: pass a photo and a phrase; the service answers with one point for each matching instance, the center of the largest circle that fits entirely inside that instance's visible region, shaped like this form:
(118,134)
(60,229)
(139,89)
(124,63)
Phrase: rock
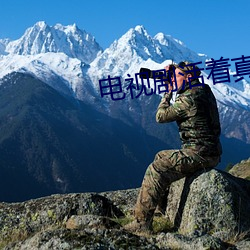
(63,239)
(241,169)
(210,210)
(243,245)
(212,202)
(124,199)
(178,241)
(20,220)
(90,221)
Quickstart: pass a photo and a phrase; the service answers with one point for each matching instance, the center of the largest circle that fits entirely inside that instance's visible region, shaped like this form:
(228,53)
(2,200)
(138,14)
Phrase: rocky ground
(208,211)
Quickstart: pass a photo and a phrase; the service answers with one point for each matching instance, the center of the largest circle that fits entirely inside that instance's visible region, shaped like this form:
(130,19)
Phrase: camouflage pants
(167,167)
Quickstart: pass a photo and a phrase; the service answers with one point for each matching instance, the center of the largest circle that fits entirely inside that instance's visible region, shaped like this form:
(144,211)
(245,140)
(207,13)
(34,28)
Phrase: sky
(218,28)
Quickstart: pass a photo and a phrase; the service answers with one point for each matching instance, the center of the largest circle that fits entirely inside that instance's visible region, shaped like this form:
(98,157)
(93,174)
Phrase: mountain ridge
(82,80)
(126,129)
(42,38)
(135,49)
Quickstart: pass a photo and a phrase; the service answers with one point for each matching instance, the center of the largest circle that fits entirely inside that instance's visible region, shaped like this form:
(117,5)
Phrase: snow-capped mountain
(73,55)
(41,38)
(137,49)
(58,55)
(63,73)
(71,61)
(55,139)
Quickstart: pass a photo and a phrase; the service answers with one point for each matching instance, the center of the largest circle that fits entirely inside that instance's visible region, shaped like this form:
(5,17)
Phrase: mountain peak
(69,28)
(161,38)
(41,24)
(42,38)
(167,39)
(135,47)
(140,29)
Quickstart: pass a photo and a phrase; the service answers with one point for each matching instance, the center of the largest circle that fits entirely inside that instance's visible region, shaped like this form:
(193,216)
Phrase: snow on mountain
(176,50)
(233,94)
(71,55)
(42,38)
(3,43)
(137,48)
(63,73)
(131,49)
(57,55)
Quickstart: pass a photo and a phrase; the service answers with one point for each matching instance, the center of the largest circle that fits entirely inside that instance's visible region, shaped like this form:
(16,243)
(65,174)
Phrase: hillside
(50,143)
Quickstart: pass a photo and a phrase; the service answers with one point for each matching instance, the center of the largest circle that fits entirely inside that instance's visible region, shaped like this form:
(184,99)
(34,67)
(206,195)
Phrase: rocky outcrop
(211,202)
(241,169)
(209,210)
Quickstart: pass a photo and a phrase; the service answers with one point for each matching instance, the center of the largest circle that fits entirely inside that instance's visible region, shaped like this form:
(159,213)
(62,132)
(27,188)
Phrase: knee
(151,172)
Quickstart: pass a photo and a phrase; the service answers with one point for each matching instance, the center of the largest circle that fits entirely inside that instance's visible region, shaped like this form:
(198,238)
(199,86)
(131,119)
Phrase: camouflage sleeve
(183,107)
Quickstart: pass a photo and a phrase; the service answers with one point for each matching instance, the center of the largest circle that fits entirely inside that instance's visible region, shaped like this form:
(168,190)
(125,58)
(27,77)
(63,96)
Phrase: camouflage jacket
(195,111)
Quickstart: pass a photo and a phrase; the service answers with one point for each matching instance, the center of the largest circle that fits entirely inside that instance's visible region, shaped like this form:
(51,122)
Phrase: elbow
(159,118)
(163,118)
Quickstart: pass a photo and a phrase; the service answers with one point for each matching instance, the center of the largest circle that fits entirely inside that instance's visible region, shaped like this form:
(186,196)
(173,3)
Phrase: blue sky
(214,27)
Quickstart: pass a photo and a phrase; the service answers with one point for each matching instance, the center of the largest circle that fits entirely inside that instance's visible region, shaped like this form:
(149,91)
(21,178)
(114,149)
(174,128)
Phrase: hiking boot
(140,227)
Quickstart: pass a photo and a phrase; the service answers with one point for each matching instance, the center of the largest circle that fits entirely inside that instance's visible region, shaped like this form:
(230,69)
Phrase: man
(195,111)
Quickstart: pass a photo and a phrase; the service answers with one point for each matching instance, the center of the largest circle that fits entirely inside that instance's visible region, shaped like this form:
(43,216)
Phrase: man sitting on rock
(195,111)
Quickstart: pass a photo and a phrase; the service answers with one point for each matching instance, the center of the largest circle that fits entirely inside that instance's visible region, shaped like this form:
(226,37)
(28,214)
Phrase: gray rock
(241,169)
(178,241)
(243,245)
(20,220)
(212,202)
(90,221)
(95,239)
(124,199)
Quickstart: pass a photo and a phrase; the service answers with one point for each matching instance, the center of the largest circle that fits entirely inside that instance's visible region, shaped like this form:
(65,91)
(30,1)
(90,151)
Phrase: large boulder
(210,202)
